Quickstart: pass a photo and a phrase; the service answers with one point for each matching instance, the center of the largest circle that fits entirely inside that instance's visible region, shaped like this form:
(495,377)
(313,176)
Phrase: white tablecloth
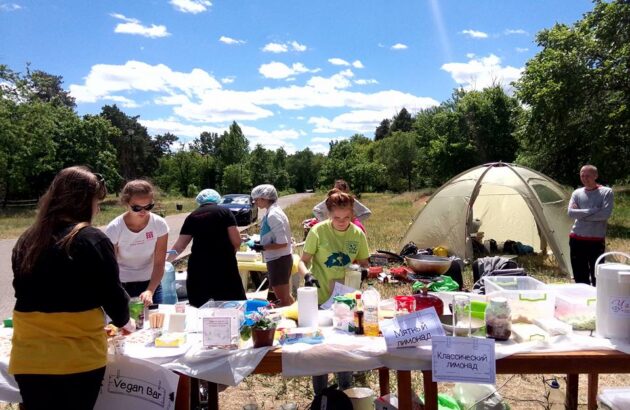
(339,352)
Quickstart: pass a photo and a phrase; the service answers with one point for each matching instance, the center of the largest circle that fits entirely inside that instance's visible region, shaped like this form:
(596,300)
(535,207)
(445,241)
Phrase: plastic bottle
(371,299)
(169,294)
(358,316)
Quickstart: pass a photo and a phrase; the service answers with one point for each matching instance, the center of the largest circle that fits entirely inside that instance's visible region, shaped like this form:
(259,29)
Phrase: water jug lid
(611,269)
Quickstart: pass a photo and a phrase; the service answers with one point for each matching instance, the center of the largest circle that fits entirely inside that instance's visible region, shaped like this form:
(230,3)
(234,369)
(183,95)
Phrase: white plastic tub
(576,305)
(529,298)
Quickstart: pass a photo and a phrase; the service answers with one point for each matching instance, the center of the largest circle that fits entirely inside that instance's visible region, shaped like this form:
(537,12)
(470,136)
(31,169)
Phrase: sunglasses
(138,208)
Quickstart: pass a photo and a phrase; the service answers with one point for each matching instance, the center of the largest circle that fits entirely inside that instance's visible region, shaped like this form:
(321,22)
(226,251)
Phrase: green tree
(180,170)
(232,146)
(303,167)
(87,141)
(236,179)
(260,165)
(27,149)
(578,92)
(402,121)
(382,131)
(136,151)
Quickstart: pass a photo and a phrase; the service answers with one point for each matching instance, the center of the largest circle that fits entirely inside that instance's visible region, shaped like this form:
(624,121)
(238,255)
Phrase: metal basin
(428,264)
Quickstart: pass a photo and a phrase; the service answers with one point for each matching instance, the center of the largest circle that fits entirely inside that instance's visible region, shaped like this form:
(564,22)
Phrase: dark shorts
(280,270)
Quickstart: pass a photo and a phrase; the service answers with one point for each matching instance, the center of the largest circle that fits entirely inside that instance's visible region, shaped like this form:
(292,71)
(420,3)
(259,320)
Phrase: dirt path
(7,301)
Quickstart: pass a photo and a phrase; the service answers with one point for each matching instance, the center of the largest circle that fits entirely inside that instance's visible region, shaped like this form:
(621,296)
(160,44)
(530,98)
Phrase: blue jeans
(134,289)
(344,381)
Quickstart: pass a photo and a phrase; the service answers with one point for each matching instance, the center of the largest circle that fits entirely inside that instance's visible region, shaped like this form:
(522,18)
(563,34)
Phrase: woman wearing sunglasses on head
(140,238)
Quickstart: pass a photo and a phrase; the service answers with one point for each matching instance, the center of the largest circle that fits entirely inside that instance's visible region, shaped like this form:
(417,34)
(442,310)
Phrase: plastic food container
(575,305)
(529,298)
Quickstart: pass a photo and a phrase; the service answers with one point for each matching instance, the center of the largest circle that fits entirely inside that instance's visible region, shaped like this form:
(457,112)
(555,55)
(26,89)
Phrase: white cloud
(335,82)
(228,80)
(199,98)
(277,71)
(319,148)
(357,64)
(297,46)
(284,47)
(519,31)
(479,73)
(470,55)
(275,48)
(134,26)
(124,101)
(191,6)
(474,33)
(105,79)
(230,40)
(338,61)
(364,121)
(365,81)
(399,46)
(522,49)
(9,7)
(327,140)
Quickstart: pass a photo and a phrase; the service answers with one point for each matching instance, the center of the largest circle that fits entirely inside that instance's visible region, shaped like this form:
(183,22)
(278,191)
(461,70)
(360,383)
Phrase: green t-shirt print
(332,251)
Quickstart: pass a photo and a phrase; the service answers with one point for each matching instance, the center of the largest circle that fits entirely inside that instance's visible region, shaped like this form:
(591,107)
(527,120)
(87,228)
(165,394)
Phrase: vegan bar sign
(136,384)
(413,329)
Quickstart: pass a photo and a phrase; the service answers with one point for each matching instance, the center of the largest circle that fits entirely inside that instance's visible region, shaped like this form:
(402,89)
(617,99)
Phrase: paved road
(7,301)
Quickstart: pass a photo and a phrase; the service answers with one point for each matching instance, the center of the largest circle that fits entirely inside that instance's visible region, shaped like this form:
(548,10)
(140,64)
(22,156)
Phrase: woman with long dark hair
(65,275)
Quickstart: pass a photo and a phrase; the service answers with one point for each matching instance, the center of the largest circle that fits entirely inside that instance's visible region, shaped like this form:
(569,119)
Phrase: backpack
(331,399)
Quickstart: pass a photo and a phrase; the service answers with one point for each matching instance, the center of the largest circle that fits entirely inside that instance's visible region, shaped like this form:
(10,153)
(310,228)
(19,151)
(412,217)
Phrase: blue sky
(292,73)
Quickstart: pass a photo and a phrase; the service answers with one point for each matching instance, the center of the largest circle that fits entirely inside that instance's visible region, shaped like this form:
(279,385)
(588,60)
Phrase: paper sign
(413,329)
(463,359)
(338,290)
(136,384)
(217,331)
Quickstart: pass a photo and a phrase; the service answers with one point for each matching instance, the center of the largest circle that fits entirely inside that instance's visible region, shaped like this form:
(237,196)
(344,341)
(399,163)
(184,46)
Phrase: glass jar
(498,319)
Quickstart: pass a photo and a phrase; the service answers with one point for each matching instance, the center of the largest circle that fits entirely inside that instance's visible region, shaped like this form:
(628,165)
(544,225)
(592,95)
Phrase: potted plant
(262,328)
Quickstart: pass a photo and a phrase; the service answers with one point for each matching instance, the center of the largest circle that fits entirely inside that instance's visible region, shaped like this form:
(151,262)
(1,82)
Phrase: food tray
(529,298)
(576,305)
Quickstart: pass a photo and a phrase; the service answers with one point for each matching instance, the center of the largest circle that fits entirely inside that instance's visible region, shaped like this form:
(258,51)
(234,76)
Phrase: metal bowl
(428,264)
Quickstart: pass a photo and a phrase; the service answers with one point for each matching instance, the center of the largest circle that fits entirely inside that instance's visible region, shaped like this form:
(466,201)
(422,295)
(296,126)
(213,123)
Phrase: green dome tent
(510,201)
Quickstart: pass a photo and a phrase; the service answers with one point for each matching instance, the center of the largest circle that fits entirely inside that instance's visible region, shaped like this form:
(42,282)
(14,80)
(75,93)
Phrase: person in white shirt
(140,238)
(275,242)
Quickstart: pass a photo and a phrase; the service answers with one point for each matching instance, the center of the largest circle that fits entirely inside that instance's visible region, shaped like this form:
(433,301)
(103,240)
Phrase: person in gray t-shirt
(361,212)
(591,206)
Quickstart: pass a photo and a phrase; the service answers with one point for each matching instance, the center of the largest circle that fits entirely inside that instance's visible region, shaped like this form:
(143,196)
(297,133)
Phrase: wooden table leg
(213,396)
(571,400)
(182,402)
(430,391)
(593,382)
(404,389)
(383,380)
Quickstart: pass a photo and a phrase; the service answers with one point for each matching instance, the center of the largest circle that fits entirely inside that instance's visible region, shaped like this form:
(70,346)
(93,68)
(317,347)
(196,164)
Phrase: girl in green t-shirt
(330,246)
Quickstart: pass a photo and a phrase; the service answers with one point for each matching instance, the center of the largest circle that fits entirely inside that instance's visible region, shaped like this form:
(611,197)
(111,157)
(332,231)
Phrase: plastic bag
(445,402)
(478,397)
(444,284)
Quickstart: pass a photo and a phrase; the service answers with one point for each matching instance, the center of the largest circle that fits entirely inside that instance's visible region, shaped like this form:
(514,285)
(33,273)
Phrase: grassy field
(13,221)
(391,217)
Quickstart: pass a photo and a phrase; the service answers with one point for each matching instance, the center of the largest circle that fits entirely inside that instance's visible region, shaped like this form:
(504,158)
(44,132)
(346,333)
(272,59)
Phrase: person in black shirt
(65,275)
(212,267)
